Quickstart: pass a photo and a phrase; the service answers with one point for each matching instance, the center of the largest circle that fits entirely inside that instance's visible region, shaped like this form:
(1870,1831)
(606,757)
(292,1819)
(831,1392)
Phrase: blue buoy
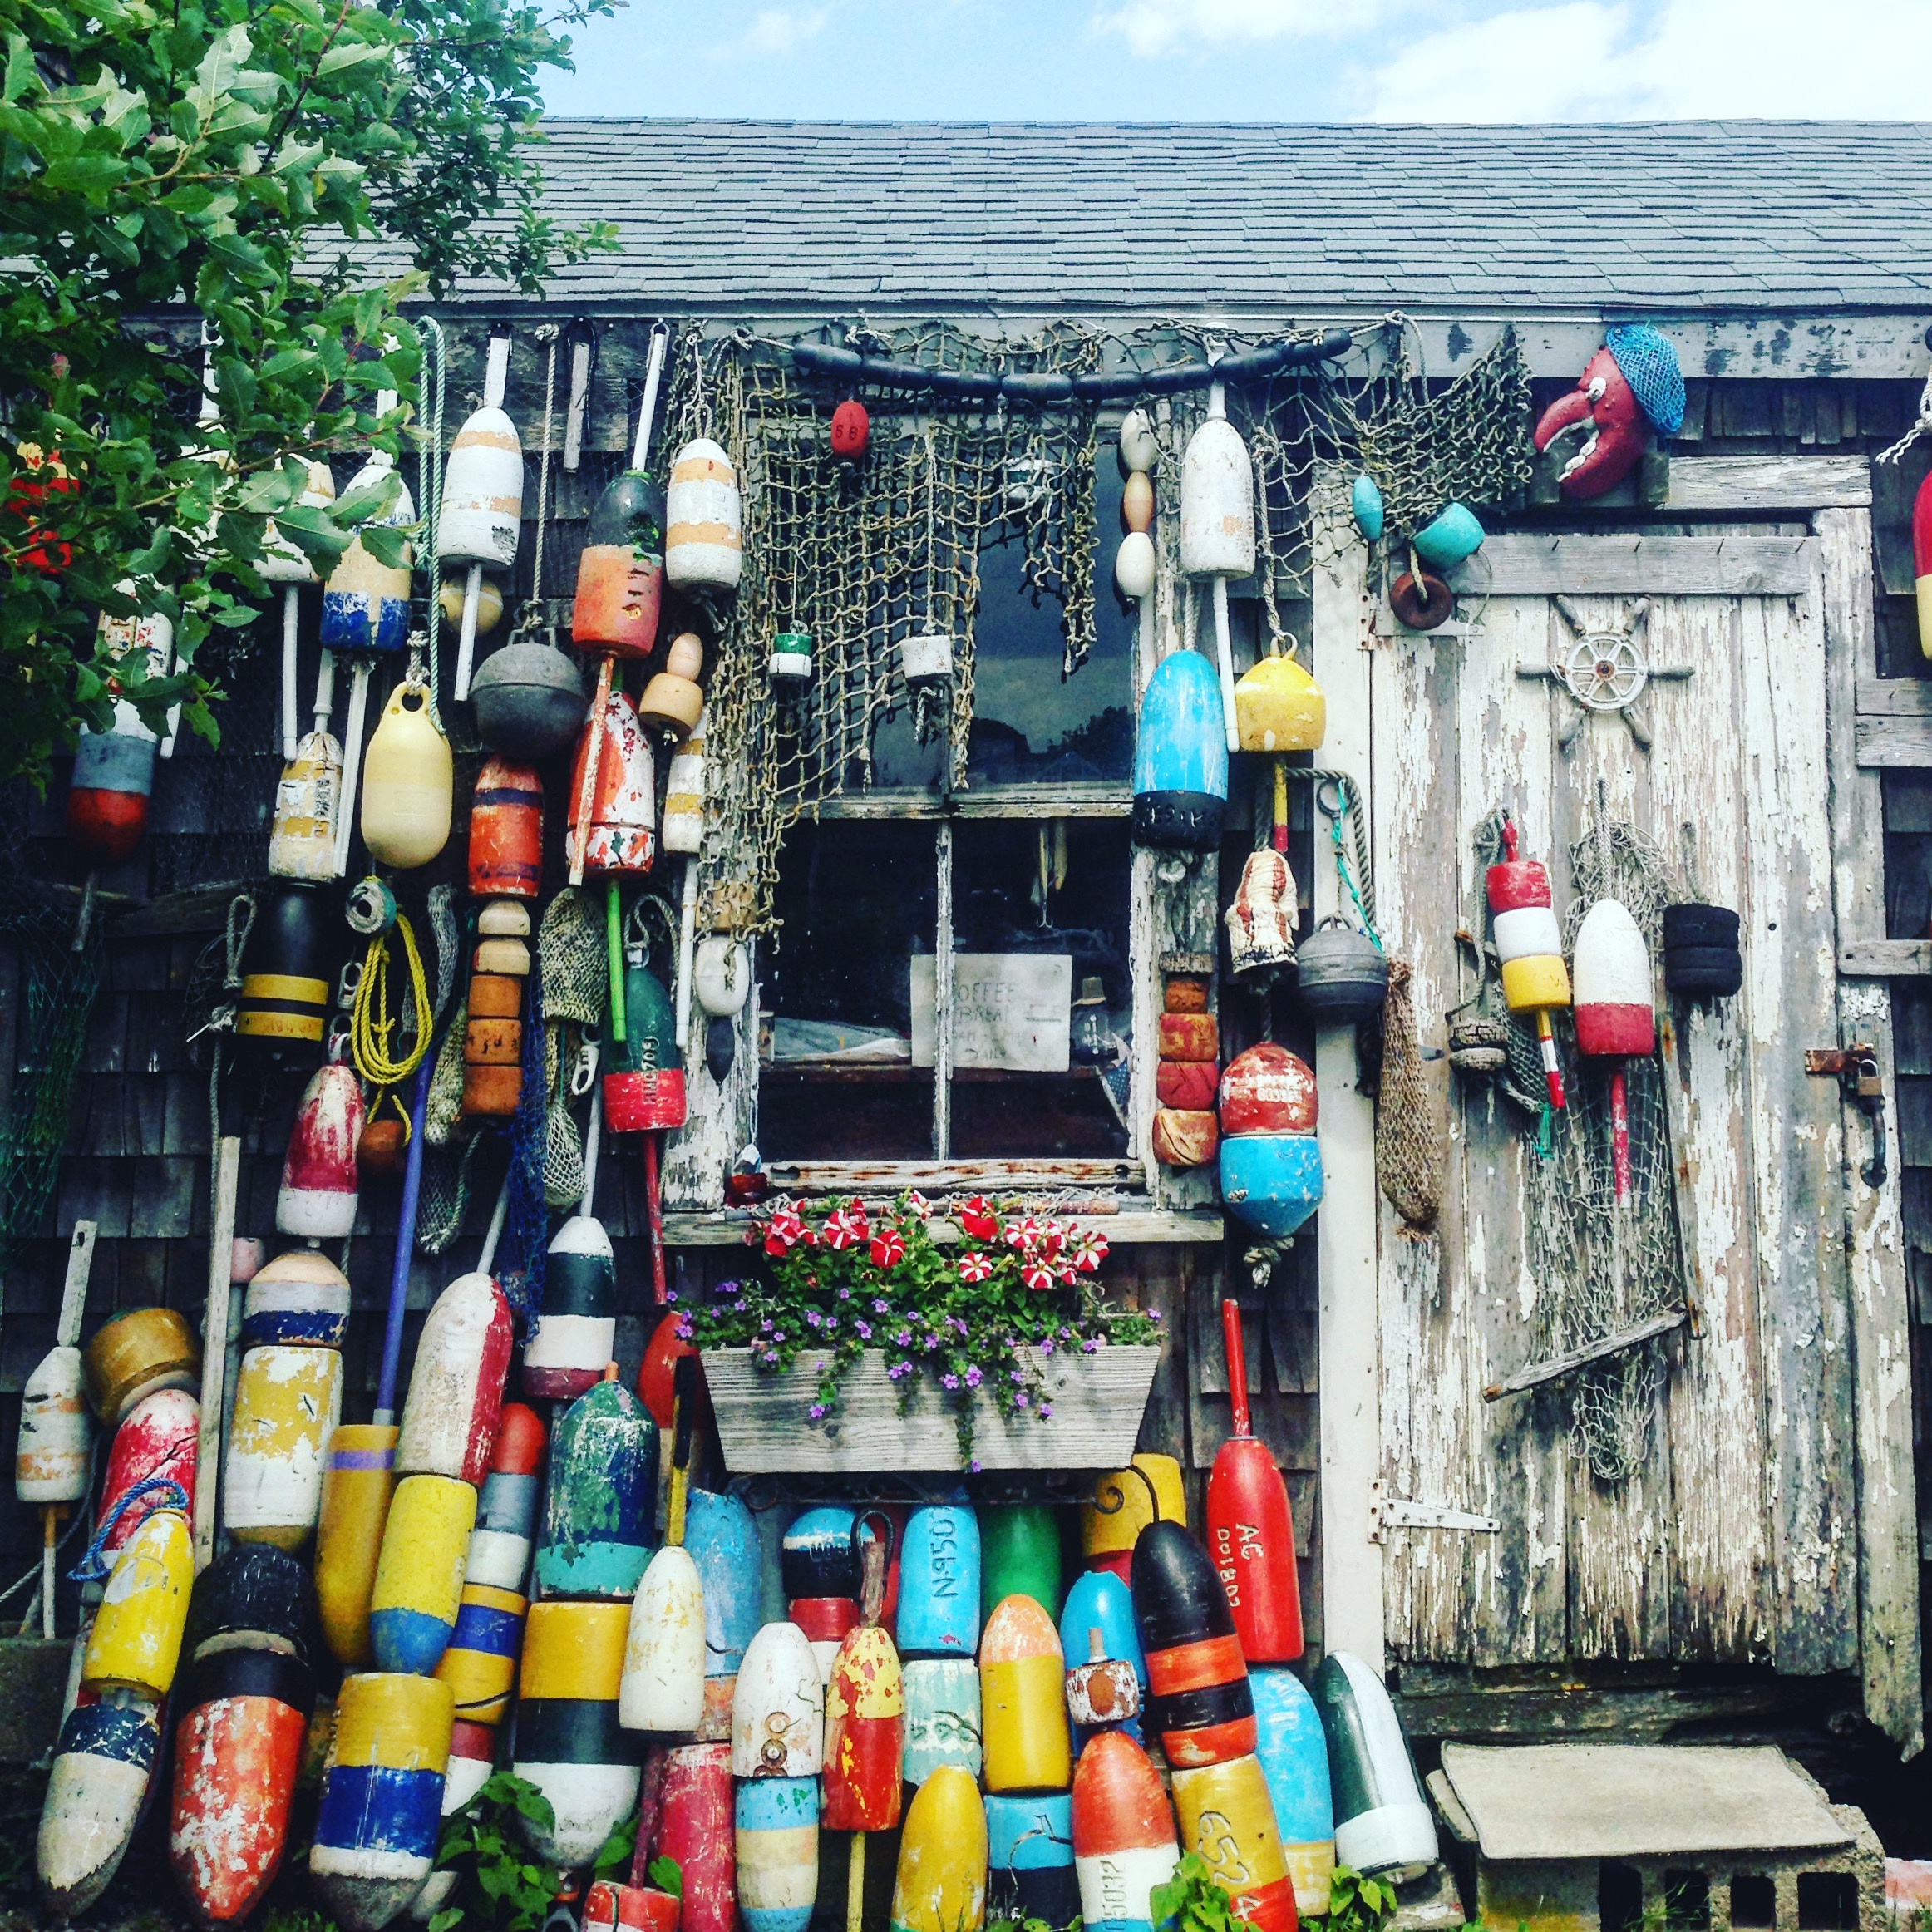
(1272,1182)
(723,1542)
(1449,536)
(1365,500)
(1180,757)
(938,1583)
(1293,1751)
(1100,1600)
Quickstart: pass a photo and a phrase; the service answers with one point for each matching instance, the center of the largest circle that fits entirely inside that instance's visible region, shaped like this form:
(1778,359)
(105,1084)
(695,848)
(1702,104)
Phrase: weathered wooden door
(1764,1520)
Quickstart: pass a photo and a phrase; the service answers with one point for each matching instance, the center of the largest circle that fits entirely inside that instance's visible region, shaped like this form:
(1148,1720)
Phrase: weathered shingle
(1664,216)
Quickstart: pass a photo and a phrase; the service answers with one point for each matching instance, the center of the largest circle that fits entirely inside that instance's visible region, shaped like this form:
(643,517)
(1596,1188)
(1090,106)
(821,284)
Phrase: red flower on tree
(977,1219)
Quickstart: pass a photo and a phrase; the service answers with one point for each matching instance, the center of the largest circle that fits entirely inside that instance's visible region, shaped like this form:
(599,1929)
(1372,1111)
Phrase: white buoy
(663,1659)
(778,1707)
(703,520)
(1217,526)
(482,508)
(52,1457)
(281,563)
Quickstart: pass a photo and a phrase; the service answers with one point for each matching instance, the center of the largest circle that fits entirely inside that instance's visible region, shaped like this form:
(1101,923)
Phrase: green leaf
(664,1873)
(340,59)
(22,74)
(443,1920)
(388,545)
(221,66)
(375,498)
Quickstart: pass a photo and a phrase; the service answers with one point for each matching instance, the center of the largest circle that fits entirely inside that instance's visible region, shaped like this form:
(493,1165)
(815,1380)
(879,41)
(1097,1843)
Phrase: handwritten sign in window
(1011,1011)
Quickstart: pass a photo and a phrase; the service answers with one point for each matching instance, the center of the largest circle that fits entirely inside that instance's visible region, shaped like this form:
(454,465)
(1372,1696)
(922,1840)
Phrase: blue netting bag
(1650,367)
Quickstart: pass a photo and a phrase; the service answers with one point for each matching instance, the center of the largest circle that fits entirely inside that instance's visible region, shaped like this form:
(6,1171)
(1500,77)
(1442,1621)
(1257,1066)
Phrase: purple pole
(404,1244)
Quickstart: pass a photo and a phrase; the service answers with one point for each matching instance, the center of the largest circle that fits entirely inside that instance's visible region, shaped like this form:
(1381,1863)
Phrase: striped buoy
(1294,1760)
(1226,1817)
(506,832)
(663,1663)
(455,1390)
(826,1623)
(287,972)
(365,603)
(568,1742)
(940,1884)
(238,1747)
(1124,1844)
(819,1554)
(298,1300)
(102,1761)
(252,1597)
(943,1721)
(507,1511)
(777,1850)
(358,1478)
(161,1438)
(609,1907)
(695,1829)
(576,1334)
(1529,943)
(599,1495)
(482,499)
(380,1816)
(1100,1601)
(52,1450)
(704,534)
(1022,1677)
(287,1402)
(1382,1824)
(472,1758)
(318,1197)
(419,1576)
(114,770)
(1199,1701)
(778,1707)
(1030,1858)
(1122,1507)
(938,1569)
(136,1642)
(480,1664)
(864,1734)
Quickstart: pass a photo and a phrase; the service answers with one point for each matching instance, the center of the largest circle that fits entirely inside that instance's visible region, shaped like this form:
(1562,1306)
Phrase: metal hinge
(1387,1512)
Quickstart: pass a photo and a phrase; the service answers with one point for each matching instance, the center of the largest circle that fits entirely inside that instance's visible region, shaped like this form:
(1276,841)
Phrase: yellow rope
(370,1024)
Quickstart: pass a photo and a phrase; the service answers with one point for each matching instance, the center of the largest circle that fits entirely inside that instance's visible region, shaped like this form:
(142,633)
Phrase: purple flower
(779,1336)
(903,1339)
(684,1330)
(818,1368)
(765,1326)
(1066,1334)
(1088,1347)
(1045,1412)
(899,1369)
(881,1306)
(949,1381)
(738,1306)
(959,1325)
(1046,1347)
(845,1294)
(973,1379)
(1019,1401)
(816,1411)
(1153,1314)
(831,1324)
(670,1294)
(863,1330)
(930,1343)
(972,1467)
(813,1318)
(1019,1374)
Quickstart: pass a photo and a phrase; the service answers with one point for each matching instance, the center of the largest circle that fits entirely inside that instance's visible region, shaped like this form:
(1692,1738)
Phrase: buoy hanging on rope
(778,1710)
(1124,1843)
(308,799)
(621,567)
(1615,1018)
(136,1642)
(940,1885)
(1530,944)
(1199,1701)
(1384,1826)
(613,808)
(851,430)
(704,519)
(775,1844)
(287,974)
(493,1031)
(568,1742)
(673,699)
(1217,528)
(1181,761)
(318,1197)
(482,500)
(114,770)
(281,562)
(408,780)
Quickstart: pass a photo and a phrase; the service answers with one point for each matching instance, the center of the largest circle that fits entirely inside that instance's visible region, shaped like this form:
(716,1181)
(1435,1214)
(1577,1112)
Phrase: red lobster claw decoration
(1604,402)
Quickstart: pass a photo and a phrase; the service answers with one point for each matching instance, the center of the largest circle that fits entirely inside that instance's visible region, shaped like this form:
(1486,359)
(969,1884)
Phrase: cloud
(1597,60)
(778,30)
(1151,27)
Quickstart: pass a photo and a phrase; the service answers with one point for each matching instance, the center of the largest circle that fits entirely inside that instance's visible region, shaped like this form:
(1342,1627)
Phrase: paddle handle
(1237,1365)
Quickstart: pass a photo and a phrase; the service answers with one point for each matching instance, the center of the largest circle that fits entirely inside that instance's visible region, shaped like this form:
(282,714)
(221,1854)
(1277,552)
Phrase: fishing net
(1408,1135)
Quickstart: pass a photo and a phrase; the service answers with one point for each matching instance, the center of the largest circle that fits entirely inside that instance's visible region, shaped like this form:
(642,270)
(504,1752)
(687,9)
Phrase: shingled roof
(810,217)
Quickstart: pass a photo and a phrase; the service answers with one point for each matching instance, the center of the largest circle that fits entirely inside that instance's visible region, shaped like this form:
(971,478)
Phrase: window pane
(857,900)
(1028,894)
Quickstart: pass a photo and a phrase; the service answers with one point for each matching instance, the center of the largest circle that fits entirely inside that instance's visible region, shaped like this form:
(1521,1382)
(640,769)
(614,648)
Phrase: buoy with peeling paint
(287,1404)
(161,1438)
(1294,1760)
(419,1577)
(723,1542)
(943,1721)
(940,1883)
(776,1842)
(298,1300)
(480,1664)
(568,1742)
(316,1201)
(1022,1688)
(1029,1857)
(136,1642)
(1199,1701)
(472,1758)
(358,1478)
(254,1598)
(455,1390)
(576,1334)
(1227,1818)
(778,1707)
(938,1568)
(506,1511)
(599,1495)
(1100,1600)
(695,1832)
(1124,1843)
(103,1762)
(663,1663)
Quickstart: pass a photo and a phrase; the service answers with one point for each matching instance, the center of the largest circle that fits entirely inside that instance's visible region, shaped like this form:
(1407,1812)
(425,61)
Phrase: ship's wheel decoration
(1606,671)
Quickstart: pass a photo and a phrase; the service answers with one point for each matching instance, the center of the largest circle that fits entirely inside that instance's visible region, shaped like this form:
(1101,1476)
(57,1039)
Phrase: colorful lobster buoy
(287,974)
(776,1849)
(599,1496)
(114,770)
(1384,1826)
(493,1030)
(456,1391)
(507,1511)
(1103,1691)
(942,1716)
(1180,757)
(357,1479)
(1136,565)
(644,1072)
(133,1355)
(506,832)
(103,1762)
(482,499)
(819,1554)
(1217,527)
(1250,1534)
(252,1597)
(939,1585)
(1922,562)
(1185,1132)
(307,823)
(408,780)
(695,1829)
(380,1816)
(940,1884)
(1529,944)
(238,1747)
(1124,1504)
(419,1576)
(778,1707)
(683,829)
(134,1644)
(1294,1759)
(576,1334)
(1100,1602)
(673,699)
(1615,1020)
(1279,706)
(52,1450)
(608,1907)
(479,1664)
(865,1731)
(1227,1817)
(1124,1844)
(1019,1546)
(365,604)
(1199,1701)
(287,1400)
(723,1542)
(568,1742)
(1271,1162)
(703,522)
(1023,1687)
(298,1300)
(663,1662)
(472,1758)
(160,1438)
(1030,1858)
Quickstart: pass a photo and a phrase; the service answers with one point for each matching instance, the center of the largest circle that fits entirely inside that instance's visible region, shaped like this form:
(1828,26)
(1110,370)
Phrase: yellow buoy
(940,1885)
(1022,1679)
(419,1578)
(136,1642)
(1280,707)
(1122,1507)
(356,1481)
(408,780)
(287,1401)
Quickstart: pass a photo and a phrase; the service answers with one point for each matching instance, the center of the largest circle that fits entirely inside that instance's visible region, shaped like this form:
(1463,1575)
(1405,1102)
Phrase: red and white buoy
(1530,944)
(114,770)
(1615,1020)
(1922,562)
(482,505)
(319,1181)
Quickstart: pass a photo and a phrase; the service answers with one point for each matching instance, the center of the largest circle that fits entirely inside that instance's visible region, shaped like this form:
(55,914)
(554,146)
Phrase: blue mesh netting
(1650,367)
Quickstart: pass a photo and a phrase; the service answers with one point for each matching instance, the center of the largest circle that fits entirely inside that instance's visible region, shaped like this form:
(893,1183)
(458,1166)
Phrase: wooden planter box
(763,1422)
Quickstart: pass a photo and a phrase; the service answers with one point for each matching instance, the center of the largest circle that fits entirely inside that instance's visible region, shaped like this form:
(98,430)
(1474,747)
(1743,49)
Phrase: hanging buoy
(1022,1679)
(673,699)
(102,1761)
(472,1758)
(529,699)
(1341,974)
(281,562)
(1382,1824)
(1294,1760)
(775,1846)
(506,1511)
(778,1709)
(1124,1844)
(479,1662)
(287,1402)
(1019,1555)
(620,569)
(1450,536)
(1136,502)
(576,1334)
(1180,757)
(114,770)
(1029,1845)
(1227,1818)
(644,1072)
(489,611)
(1922,562)
(684,794)
(1421,601)
(1270,1160)
(1280,707)
(357,1479)
(456,1391)
(851,430)
(319,1183)
(1199,1701)
(695,1832)
(925,660)
(136,1643)
(493,1029)
(407,778)
(365,604)
(381,1814)
(569,1743)
(940,1884)
(622,835)
(1365,505)
(160,1438)
(1139,446)
(482,499)
(1268,1090)
(939,1569)
(238,1747)
(1100,1602)
(599,1497)
(703,540)
(723,1542)
(789,662)
(51,1453)
(419,1577)
(1217,527)
(942,1716)
(506,832)
(288,972)
(1124,1504)
(298,1300)
(663,1662)
(1529,943)
(1616,1019)
(864,1730)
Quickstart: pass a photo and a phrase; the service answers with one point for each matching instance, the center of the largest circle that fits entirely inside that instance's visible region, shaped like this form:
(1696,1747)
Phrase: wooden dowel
(215,1350)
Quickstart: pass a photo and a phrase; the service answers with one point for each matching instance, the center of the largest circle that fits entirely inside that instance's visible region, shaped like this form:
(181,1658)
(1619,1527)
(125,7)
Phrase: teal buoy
(1449,536)
(1365,500)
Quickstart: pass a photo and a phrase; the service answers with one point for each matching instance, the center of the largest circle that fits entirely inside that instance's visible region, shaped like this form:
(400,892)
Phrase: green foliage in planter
(988,1315)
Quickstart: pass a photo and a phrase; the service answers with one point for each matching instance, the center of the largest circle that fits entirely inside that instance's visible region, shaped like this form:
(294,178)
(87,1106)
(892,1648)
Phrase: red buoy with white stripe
(161,1438)
(456,1391)
(318,1197)
(1922,562)
(1530,944)
(114,770)
(1615,1018)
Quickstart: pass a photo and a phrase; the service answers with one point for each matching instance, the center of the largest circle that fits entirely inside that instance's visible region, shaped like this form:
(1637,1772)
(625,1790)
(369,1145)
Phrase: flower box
(1097,1402)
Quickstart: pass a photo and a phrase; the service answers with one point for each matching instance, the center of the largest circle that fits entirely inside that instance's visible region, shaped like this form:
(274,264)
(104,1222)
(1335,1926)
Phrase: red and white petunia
(917,1203)
(844,1228)
(1023,1234)
(974,1267)
(1037,1275)
(977,1219)
(784,1231)
(1091,1252)
(888,1248)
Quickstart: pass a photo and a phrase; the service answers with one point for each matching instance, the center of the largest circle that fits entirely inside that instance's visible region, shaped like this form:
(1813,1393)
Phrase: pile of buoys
(1185,1131)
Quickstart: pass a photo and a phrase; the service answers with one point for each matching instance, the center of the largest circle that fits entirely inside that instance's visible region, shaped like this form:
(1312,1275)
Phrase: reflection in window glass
(857,900)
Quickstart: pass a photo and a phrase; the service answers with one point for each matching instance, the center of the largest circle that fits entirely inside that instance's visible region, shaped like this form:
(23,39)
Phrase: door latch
(1855,1069)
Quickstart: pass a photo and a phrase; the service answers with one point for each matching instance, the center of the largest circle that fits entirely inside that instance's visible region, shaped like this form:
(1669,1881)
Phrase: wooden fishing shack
(1574,1444)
